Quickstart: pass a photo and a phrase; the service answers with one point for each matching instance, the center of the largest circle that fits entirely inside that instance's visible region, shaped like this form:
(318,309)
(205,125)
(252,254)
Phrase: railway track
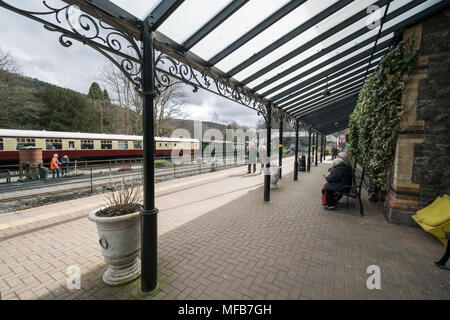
(97,182)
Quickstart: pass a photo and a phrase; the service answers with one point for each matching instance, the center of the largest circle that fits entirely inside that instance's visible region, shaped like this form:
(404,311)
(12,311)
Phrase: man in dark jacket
(340,176)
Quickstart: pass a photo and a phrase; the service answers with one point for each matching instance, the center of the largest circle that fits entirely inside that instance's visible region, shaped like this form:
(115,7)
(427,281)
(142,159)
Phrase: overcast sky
(41,56)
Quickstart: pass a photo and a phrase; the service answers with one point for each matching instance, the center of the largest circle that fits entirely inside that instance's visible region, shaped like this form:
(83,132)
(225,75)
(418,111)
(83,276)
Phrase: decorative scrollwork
(118,46)
(172,69)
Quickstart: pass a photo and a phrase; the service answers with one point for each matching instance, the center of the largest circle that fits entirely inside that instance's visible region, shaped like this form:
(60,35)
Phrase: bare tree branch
(7,62)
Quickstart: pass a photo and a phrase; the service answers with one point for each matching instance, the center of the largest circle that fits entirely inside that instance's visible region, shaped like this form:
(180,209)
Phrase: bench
(354,191)
(6,174)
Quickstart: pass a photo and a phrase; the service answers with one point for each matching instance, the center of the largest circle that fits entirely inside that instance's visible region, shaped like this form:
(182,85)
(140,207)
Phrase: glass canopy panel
(303,38)
(274,32)
(332,79)
(354,80)
(242,21)
(410,13)
(190,17)
(139,9)
(342,34)
(317,48)
(332,64)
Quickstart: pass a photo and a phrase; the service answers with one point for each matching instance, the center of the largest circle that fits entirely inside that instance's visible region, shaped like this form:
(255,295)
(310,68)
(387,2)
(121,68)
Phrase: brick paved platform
(219,240)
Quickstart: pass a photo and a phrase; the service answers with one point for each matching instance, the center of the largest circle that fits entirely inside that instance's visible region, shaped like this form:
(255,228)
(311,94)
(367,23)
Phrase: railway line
(18,191)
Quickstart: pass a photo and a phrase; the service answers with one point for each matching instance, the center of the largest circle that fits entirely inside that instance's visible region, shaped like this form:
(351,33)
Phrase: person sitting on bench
(339,177)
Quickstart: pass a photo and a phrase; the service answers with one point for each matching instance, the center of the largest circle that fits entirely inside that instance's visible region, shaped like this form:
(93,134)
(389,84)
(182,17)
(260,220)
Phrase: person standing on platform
(54,165)
(252,155)
(64,165)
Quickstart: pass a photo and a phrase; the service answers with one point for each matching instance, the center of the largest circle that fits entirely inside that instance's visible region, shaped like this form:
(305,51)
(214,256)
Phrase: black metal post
(316,149)
(280,147)
(149,252)
(268,153)
(309,150)
(296,151)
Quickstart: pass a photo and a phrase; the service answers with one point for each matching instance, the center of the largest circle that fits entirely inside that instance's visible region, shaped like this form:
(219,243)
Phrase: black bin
(302,164)
(43,173)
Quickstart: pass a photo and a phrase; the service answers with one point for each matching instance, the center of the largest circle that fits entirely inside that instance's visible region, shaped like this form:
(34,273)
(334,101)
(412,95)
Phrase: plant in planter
(119,230)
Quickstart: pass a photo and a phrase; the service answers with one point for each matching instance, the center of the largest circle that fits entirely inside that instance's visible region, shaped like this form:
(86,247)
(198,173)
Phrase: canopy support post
(308,166)
(280,148)
(316,148)
(296,151)
(268,153)
(149,254)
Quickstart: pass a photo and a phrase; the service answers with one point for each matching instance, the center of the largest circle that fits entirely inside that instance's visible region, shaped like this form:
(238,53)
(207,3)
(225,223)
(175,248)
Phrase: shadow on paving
(290,248)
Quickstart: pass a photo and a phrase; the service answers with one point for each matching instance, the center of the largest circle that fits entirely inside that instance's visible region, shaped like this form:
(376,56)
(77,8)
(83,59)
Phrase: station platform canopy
(284,52)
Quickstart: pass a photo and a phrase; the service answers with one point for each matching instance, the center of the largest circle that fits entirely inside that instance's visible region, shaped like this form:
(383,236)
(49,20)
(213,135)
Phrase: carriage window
(160,144)
(25,142)
(53,144)
(71,144)
(138,144)
(106,144)
(87,144)
(1,144)
(123,145)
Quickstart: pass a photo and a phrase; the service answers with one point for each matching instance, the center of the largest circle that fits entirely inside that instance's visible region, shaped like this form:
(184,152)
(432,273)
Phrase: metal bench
(354,191)
(6,174)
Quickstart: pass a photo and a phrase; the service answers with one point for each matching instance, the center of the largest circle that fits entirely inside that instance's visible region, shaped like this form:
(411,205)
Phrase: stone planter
(274,176)
(120,240)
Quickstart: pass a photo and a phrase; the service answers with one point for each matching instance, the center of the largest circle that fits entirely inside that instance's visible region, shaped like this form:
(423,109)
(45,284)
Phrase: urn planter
(120,240)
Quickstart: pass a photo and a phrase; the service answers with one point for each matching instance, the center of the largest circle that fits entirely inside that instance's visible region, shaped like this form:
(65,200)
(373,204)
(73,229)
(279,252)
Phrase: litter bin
(43,173)
(302,164)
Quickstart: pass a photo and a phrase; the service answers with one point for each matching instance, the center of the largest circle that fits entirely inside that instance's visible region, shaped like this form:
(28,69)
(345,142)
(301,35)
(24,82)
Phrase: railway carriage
(85,146)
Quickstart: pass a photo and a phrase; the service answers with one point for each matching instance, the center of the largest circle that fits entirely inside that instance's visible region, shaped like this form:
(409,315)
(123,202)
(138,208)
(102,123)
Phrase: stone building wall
(422,158)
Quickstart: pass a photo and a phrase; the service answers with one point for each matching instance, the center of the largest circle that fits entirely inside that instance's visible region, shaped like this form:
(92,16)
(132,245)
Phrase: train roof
(79,135)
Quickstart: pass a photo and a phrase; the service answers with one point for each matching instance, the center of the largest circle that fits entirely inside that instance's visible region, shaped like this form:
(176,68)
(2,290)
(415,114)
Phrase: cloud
(41,56)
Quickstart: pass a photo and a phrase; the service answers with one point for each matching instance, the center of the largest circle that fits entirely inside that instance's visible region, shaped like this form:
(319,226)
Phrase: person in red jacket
(54,165)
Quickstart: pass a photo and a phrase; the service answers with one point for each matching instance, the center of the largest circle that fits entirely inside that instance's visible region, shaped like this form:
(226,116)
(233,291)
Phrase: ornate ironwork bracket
(118,46)
(173,68)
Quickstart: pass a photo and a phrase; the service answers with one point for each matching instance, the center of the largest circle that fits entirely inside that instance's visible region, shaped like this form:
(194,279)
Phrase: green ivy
(375,122)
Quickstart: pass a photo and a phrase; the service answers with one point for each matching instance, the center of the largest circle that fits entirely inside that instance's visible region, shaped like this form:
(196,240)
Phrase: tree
(124,95)
(101,102)
(7,62)
(168,106)
(168,103)
(67,110)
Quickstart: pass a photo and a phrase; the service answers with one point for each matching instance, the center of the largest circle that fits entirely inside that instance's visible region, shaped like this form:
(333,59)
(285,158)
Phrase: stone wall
(422,159)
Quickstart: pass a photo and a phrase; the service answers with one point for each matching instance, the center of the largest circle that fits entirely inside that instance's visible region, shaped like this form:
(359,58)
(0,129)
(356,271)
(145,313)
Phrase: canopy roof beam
(329,33)
(321,77)
(291,35)
(162,11)
(336,93)
(338,44)
(332,85)
(212,24)
(288,8)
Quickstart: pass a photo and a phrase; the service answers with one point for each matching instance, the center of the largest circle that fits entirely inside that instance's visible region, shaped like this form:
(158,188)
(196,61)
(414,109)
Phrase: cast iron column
(316,148)
(268,147)
(149,257)
(280,147)
(321,148)
(309,150)
(296,151)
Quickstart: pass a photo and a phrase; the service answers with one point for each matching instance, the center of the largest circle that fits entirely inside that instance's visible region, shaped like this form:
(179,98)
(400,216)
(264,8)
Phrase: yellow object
(435,218)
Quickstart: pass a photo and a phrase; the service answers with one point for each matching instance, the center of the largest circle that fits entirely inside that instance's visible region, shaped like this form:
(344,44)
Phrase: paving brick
(240,249)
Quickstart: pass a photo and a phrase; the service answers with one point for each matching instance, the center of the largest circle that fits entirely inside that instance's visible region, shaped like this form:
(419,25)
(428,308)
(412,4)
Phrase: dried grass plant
(122,199)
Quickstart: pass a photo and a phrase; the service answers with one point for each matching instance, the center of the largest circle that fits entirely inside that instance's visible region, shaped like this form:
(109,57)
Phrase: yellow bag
(435,218)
